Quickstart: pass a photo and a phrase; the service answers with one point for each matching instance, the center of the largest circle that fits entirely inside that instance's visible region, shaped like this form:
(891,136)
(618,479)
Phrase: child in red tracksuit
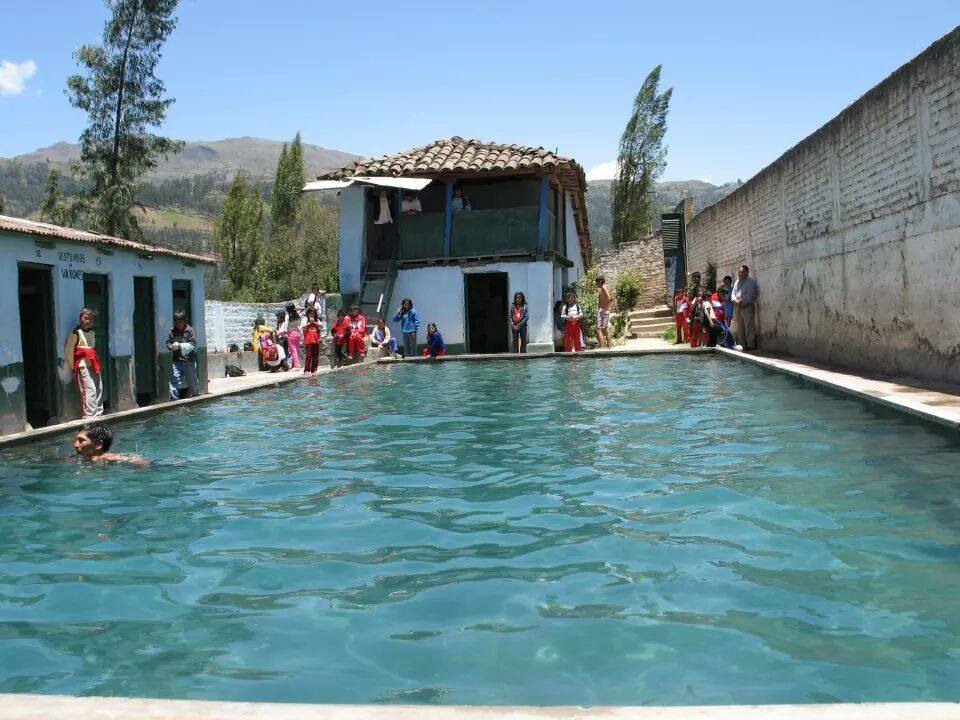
(357,339)
(571,313)
(340,331)
(681,309)
(312,341)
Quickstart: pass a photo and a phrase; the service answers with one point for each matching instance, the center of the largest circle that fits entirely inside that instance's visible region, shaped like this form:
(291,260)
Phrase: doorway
(144,341)
(96,290)
(37,341)
(183,299)
(486,309)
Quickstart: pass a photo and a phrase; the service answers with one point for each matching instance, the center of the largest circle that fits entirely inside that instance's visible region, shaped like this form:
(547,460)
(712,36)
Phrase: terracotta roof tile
(31,227)
(461,157)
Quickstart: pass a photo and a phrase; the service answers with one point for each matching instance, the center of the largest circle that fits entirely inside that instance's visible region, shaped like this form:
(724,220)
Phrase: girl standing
(572,314)
(519,315)
(311,339)
(409,320)
(291,326)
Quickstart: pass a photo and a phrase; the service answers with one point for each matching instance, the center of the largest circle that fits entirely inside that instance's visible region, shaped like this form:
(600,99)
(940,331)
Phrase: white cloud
(14,75)
(603,171)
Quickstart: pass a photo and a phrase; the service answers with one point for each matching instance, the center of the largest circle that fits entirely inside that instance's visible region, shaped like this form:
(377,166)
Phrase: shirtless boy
(93,442)
(604,303)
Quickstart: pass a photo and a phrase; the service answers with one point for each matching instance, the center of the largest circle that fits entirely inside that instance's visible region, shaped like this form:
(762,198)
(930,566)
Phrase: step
(660,311)
(647,334)
(646,322)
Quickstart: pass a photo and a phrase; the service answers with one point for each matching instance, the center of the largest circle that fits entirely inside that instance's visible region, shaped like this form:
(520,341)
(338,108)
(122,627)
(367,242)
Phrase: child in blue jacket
(435,346)
(409,320)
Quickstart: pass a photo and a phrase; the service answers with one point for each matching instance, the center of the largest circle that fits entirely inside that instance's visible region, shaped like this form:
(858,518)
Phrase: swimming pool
(659,530)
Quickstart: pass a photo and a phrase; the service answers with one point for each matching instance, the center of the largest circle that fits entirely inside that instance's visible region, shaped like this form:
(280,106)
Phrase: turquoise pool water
(634,531)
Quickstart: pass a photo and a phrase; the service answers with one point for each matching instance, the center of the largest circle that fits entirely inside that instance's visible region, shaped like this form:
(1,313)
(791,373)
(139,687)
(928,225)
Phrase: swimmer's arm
(117,459)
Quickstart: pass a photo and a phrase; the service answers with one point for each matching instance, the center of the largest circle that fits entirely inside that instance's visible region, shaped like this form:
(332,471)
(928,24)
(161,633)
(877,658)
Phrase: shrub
(670,334)
(586,290)
(627,288)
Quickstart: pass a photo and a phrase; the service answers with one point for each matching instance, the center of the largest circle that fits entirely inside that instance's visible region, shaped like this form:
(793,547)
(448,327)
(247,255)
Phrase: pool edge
(68,707)
(815,376)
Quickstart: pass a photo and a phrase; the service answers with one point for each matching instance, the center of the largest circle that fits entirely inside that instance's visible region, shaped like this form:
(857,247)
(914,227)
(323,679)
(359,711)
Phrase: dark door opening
(183,299)
(96,296)
(486,307)
(144,340)
(36,338)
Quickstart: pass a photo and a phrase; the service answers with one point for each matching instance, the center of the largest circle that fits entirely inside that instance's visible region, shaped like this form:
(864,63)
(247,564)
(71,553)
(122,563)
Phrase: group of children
(701,315)
(279,347)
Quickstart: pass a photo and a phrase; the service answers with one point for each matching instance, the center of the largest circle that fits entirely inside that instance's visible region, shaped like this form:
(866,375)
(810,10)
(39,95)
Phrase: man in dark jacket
(182,342)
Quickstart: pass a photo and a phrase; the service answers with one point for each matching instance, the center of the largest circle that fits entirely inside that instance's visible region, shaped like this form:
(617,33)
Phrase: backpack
(233,371)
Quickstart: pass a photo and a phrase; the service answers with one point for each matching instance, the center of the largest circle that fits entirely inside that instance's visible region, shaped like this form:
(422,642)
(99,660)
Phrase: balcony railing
(478,232)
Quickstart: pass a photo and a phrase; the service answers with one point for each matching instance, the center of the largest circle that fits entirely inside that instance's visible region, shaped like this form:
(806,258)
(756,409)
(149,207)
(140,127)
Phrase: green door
(144,340)
(96,290)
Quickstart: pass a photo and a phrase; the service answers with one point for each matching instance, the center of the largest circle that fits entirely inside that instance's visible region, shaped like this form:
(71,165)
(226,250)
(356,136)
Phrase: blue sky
(750,78)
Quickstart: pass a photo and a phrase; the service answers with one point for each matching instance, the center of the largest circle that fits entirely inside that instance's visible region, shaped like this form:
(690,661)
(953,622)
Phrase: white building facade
(489,221)
(48,274)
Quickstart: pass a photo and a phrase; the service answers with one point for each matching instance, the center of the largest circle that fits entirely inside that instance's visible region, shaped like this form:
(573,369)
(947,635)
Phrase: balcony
(504,231)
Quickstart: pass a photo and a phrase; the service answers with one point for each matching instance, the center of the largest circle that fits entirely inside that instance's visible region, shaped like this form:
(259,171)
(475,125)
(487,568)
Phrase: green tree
(641,160)
(51,207)
(238,231)
(123,98)
(2,204)
(320,236)
(288,186)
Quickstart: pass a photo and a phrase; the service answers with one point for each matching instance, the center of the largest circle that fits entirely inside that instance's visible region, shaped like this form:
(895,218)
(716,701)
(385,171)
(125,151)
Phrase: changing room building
(489,220)
(48,274)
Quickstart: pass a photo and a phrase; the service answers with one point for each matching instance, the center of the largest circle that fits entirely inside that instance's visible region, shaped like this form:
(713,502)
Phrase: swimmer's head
(93,439)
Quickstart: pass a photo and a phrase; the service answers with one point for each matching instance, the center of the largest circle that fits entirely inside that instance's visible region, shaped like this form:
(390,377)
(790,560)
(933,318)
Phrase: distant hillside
(255,155)
(668,195)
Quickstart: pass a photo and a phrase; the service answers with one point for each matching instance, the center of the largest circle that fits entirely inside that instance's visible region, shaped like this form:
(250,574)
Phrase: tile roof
(457,157)
(32,227)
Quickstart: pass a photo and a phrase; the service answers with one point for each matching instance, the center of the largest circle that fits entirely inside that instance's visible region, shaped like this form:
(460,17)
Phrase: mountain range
(257,156)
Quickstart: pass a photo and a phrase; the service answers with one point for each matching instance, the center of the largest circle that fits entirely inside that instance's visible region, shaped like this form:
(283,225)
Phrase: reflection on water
(630,531)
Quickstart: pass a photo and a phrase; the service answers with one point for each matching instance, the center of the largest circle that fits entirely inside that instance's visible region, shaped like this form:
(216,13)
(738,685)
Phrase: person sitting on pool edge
(93,443)
(435,346)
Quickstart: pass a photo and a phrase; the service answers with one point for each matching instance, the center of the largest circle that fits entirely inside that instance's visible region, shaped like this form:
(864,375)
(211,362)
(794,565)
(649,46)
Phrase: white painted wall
(573,243)
(69,261)
(352,233)
(438,295)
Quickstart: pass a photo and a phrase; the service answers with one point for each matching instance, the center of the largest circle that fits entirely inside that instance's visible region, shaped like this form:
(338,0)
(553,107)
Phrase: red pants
(440,353)
(313,357)
(683,328)
(572,337)
(698,335)
(357,344)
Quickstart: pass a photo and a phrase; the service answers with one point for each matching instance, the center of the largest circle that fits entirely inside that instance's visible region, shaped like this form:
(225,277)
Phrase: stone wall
(646,257)
(854,233)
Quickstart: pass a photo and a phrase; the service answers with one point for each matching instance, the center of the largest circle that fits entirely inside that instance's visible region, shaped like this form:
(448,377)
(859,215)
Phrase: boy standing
(604,303)
(182,342)
(81,354)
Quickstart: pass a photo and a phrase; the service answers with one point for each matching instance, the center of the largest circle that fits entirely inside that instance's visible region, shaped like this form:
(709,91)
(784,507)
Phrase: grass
(171,217)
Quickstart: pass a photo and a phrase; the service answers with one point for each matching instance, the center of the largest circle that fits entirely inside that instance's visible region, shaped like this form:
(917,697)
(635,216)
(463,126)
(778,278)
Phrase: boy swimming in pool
(93,442)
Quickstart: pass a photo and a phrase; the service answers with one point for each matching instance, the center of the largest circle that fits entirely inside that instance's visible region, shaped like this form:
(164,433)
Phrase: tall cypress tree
(641,161)
(287,187)
(123,98)
(238,231)
(51,207)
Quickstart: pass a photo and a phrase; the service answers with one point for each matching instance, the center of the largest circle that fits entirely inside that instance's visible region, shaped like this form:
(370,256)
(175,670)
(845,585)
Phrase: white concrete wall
(438,295)
(353,210)
(573,243)
(854,234)
(69,261)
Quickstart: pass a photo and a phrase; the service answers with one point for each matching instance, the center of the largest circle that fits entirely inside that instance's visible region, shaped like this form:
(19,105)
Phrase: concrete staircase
(649,323)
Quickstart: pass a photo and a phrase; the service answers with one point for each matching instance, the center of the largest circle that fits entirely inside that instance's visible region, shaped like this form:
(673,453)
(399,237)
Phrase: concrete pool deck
(44,707)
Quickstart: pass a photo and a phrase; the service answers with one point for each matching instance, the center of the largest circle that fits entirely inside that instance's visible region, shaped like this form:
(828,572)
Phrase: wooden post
(542,227)
(448,221)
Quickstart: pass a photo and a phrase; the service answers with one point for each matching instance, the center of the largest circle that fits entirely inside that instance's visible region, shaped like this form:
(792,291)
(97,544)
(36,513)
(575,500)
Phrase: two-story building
(48,274)
(459,226)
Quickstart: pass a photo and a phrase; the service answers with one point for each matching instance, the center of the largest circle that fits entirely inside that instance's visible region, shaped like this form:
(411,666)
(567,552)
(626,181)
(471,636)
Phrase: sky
(750,78)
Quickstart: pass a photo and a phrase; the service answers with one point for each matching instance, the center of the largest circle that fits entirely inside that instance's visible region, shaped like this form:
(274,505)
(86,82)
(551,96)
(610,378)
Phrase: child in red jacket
(357,339)
(340,331)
